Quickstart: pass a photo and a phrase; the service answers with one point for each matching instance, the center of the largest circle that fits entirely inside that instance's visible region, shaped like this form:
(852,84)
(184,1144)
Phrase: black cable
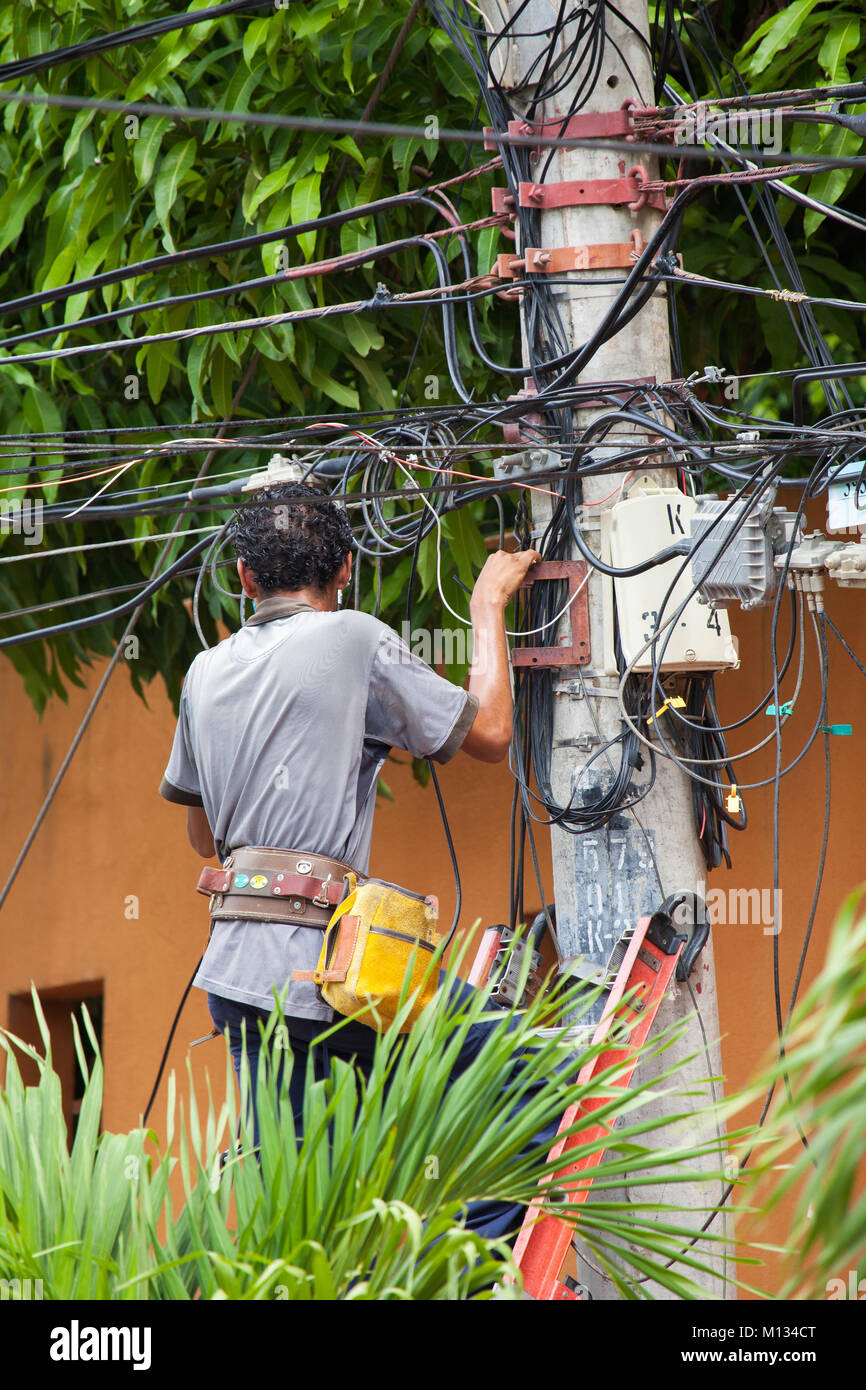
(676,715)
(60,629)
(859,664)
(822,857)
(213,250)
(458,891)
(386,130)
(103,43)
(169,1041)
(534,703)
(375,302)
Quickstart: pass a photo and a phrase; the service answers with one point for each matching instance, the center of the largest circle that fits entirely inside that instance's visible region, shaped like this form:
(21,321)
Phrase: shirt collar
(277,606)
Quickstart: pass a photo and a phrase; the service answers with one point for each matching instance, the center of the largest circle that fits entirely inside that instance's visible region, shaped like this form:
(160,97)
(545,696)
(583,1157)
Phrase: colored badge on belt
(241,880)
(258,881)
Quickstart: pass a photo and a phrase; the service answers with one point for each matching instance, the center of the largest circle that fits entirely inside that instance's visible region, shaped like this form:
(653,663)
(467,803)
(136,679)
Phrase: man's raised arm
(490,673)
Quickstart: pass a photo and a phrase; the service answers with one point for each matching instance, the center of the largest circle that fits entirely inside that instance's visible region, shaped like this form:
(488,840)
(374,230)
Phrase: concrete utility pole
(606,880)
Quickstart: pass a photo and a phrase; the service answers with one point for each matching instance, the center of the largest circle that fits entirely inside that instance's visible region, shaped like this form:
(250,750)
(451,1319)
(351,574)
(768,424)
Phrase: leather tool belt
(259,884)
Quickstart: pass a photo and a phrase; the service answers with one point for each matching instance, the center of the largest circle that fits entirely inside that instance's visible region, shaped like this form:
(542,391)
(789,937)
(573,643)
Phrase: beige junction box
(699,639)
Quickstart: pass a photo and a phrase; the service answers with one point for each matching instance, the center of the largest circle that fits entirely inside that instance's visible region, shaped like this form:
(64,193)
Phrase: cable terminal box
(650,519)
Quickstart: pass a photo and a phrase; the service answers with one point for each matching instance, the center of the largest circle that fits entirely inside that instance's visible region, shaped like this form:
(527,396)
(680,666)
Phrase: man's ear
(344,574)
(248,583)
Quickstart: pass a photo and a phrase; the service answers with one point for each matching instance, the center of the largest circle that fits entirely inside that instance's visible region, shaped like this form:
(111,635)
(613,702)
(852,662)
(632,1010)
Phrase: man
(281,734)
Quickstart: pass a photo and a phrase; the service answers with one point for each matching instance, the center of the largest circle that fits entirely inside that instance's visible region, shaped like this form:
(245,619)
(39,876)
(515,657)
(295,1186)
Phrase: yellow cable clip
(732,801)
(674,702)
(793,296)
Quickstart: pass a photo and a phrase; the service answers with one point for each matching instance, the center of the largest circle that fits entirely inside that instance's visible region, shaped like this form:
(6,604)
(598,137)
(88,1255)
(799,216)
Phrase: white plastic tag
(846,499)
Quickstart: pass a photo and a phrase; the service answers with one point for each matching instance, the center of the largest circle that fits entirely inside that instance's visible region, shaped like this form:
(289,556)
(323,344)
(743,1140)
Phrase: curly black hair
(292,537)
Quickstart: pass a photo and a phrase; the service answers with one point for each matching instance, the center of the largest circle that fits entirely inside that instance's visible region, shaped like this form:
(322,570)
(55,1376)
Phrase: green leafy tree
(92,192)
(773,47)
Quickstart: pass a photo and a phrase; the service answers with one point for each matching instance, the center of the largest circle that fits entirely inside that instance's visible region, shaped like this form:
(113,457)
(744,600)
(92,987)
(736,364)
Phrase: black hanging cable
(833,628)
(103,43)
(458,891)
(825,837)
(213,250)
(175,1021)
(60,629)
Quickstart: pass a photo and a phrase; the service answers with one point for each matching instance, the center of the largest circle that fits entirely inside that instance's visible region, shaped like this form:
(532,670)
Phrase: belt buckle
(321,898)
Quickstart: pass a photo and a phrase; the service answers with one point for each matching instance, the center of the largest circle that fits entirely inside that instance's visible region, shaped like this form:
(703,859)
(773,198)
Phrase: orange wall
(109,837)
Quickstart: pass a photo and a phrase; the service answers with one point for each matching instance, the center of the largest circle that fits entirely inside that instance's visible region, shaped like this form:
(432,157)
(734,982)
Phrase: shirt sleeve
(180,781)
(410,707)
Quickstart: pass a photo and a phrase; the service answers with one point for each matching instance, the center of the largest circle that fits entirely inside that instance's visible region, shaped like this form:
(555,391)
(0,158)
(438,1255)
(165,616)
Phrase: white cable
(121,468)
(88,501)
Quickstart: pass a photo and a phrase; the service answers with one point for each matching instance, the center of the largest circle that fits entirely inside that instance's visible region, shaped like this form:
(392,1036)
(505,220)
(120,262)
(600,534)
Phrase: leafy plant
(370,1205)
(74,1219)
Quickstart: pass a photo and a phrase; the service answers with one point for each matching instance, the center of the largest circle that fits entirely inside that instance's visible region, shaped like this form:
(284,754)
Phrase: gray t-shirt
(282,731)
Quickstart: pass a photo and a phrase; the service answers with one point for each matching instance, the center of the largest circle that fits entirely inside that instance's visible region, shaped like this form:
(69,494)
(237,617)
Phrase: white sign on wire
(846,498)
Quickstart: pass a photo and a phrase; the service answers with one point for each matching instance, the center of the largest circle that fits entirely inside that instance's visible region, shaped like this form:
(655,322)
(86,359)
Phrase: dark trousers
(355,1043)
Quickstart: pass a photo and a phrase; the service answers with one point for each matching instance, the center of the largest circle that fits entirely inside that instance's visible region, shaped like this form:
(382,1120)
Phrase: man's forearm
(490,678)
(490,673)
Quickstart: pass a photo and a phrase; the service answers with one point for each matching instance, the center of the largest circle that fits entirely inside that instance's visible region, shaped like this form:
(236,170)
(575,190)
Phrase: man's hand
(501,577)
(490,674)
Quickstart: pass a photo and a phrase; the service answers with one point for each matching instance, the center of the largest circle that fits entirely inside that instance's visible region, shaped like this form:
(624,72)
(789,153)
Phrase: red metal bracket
(558,260)
(503,203)
(605,255)
(587,126)
(577,652)
(511,429)
(544,1240)
(576,192)
(507,266)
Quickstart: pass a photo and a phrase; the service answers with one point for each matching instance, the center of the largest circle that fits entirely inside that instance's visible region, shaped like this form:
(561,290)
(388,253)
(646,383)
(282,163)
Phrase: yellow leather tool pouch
(377,954)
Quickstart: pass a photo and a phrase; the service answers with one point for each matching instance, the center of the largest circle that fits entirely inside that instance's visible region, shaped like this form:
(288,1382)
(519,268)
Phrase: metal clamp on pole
(573,652)
(688,911)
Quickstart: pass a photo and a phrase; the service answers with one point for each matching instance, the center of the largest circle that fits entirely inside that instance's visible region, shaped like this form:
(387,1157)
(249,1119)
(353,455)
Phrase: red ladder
(638,989)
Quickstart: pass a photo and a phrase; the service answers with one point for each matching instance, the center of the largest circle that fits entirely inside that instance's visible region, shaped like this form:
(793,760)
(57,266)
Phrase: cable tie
(785,710)
(675,702)
(733,802)
(835,728)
